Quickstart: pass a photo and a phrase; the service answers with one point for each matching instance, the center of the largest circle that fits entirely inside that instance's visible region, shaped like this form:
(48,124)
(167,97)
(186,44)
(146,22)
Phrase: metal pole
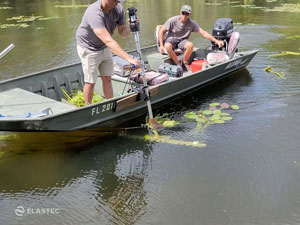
(5,51)
(137,41)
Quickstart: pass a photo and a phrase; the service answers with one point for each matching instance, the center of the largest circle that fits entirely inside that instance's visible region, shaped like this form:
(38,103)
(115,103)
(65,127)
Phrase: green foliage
(269,70)
(205,118)
(190,115)
(287,7)
(77,99)
(214,104)
(285,53)
(71,6)
(6,8)
(18,25)
(22,21)
(169,123)
(235,107)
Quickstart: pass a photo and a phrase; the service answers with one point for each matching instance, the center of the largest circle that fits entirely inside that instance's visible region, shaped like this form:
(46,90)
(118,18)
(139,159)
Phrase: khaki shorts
(95,63)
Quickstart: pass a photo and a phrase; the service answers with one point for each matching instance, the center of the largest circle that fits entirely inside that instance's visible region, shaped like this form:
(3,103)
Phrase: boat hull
(116,111)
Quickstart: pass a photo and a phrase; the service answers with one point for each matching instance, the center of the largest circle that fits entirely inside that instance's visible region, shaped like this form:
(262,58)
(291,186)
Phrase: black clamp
(142,94)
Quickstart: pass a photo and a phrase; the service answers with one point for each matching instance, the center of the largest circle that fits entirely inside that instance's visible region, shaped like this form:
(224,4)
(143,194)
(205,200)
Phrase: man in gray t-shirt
(175,33)
(95,44)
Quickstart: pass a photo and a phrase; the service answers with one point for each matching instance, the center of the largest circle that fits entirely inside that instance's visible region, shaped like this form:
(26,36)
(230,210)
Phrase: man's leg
(171,53)
(107,87)
(88,91)
(188,51)
(90,62)
(106,70)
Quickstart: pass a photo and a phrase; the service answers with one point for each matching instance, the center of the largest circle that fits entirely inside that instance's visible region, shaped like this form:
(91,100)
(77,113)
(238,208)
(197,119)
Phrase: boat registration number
(103,108)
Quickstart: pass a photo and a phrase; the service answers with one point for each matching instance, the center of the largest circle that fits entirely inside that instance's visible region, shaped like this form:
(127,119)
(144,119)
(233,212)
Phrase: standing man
(175,33)
(95,45)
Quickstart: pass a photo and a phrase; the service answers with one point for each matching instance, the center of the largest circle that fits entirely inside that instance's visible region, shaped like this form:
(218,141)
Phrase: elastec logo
(20,211)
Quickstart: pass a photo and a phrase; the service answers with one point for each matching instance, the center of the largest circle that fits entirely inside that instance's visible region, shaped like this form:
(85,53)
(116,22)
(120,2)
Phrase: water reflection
(106,182)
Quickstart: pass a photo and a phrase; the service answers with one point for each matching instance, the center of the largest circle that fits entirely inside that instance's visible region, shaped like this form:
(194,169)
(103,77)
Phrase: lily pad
(219,121)
(191,115)
(200,120)
(170,123)
(207,112)
(227,118)
(235,107)
(214,104)
(224,114)
(215,117)
(212,108)
(217,111)
(225,105)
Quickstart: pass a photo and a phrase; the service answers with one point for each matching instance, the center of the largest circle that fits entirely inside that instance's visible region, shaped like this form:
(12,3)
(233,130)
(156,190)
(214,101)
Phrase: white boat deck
(19,103)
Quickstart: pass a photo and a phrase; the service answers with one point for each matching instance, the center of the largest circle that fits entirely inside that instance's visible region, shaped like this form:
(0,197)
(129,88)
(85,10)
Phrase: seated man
(175,33)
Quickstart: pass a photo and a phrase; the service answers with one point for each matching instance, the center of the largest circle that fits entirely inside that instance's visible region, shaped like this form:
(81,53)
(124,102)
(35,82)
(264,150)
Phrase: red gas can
(197,65)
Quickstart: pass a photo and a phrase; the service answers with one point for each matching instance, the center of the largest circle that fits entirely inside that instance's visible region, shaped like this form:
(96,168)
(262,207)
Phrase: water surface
(248,173)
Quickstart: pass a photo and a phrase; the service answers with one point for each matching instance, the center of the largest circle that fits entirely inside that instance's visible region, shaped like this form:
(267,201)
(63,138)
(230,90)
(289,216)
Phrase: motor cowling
(222,30)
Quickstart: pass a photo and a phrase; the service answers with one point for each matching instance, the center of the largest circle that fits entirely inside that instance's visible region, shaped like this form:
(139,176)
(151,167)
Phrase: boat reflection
(108,179)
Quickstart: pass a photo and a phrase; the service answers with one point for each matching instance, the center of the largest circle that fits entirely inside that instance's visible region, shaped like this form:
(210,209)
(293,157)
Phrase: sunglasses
(185,13)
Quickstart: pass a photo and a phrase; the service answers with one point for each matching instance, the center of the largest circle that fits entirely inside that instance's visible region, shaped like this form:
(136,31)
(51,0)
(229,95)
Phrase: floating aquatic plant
(214,4)
(243,6)
(50,18)
(207,117)
(204,118)
(71,6)
(293,37)
(166,139)
(6,8)
(77,99)
(235,107)
(22,19)
(214,104)
(269,70)
(284,53)
(287,7)
(4,26)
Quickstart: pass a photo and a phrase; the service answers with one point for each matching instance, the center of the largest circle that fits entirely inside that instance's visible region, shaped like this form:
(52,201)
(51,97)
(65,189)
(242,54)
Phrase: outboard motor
(222,30)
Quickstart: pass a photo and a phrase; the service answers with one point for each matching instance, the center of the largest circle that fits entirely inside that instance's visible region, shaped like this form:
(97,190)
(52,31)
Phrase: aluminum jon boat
(34,102)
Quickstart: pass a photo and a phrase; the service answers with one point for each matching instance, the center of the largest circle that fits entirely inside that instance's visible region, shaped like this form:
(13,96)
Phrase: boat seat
(18,102)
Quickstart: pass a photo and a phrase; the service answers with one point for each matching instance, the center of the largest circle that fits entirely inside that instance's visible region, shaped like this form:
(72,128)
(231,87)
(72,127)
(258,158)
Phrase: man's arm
(161,33)
(106,38)
(206,35)
(123,30)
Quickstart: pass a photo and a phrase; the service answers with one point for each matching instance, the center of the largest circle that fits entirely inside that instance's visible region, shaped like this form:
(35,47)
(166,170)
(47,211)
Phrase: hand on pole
(135,62)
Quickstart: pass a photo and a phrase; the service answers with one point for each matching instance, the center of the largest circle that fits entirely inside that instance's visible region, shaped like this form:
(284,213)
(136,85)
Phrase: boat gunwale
(115,99)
